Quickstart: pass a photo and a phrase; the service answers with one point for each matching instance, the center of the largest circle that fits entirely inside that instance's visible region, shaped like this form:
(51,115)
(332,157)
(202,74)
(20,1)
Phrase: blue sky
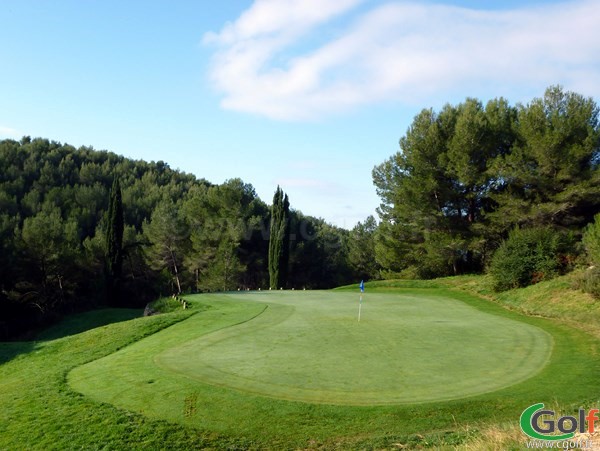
(307,94)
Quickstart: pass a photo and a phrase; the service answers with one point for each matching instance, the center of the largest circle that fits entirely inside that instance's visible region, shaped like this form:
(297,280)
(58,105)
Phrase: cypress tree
(279,240)
(114,243)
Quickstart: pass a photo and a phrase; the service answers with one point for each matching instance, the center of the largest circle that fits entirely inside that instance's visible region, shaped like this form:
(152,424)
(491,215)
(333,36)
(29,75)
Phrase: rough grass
(166,305)
(558,299)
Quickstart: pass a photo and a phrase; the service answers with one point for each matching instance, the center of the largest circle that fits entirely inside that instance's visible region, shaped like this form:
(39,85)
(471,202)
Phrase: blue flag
(362,286)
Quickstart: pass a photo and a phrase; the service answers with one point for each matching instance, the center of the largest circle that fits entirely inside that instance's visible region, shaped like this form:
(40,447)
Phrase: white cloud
(279,18)
(8,132)
(397,51)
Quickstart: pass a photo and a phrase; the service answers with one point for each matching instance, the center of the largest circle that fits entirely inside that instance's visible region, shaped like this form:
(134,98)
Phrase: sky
(306,94)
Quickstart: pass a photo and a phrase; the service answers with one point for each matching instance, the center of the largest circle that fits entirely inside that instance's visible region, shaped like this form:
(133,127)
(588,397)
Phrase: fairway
(310,347)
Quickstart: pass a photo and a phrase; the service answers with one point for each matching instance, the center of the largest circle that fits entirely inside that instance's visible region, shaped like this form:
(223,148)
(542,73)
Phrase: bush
(165,305)
(528,256)
(590,282)
(591,240)
(410,273)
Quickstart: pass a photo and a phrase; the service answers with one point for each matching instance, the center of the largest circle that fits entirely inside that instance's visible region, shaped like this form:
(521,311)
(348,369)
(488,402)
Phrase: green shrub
(590,279)
(590,282)
(529,256)
(166,305)
(591,240)
(411,273)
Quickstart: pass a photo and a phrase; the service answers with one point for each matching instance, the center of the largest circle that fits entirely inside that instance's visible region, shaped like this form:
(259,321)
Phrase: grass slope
(41,411)
(557,299)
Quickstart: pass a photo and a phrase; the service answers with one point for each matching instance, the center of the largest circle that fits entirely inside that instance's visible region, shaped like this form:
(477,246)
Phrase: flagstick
(359,307)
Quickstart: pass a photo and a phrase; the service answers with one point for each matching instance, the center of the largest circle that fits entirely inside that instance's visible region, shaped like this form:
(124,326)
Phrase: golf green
(310,346)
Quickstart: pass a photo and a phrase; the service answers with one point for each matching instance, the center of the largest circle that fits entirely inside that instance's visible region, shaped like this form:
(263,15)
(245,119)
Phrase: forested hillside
(509,189)
(180,232)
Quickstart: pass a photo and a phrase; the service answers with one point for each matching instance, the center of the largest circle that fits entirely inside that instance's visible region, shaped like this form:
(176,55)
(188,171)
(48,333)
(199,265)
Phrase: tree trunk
(175,271)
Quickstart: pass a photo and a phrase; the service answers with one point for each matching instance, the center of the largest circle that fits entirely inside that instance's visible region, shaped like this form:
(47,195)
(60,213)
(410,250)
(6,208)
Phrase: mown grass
(558,299)
(412,347)
(40,411)
(281,424)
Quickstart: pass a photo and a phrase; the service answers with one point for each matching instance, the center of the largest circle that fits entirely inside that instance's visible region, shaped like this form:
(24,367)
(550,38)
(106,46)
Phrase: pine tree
(361,250)
(168,233)
(279,241)
(114,243)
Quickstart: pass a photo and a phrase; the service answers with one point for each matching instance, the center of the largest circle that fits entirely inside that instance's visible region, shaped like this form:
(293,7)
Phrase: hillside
(180,233)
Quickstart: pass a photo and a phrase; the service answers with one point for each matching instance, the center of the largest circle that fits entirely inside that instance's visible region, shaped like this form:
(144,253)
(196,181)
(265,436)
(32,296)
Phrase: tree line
(469,177)
(508,189)
(60,250)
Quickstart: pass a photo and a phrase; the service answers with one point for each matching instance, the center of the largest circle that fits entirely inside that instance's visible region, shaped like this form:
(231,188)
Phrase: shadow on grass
(70,325)
(10,350)
(80,322)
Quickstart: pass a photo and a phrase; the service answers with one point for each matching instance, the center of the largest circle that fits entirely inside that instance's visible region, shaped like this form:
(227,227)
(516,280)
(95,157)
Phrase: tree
(228,247)
(279,240)
(50,246)
(114,244)
(7,253)
(331,265)
(436,190)
(361,250)
(318,253)
(168,234)
(551,174)
(467,175)
(225,270)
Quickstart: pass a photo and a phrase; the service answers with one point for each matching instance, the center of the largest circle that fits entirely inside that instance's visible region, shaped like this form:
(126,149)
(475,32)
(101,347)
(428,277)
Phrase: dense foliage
(591,240)
(469,174)
(279,240)
(529,256)
(164,232)
(114,244)
(464,178)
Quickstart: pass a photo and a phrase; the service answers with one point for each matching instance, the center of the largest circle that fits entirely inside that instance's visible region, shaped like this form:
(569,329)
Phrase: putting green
(310,347)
